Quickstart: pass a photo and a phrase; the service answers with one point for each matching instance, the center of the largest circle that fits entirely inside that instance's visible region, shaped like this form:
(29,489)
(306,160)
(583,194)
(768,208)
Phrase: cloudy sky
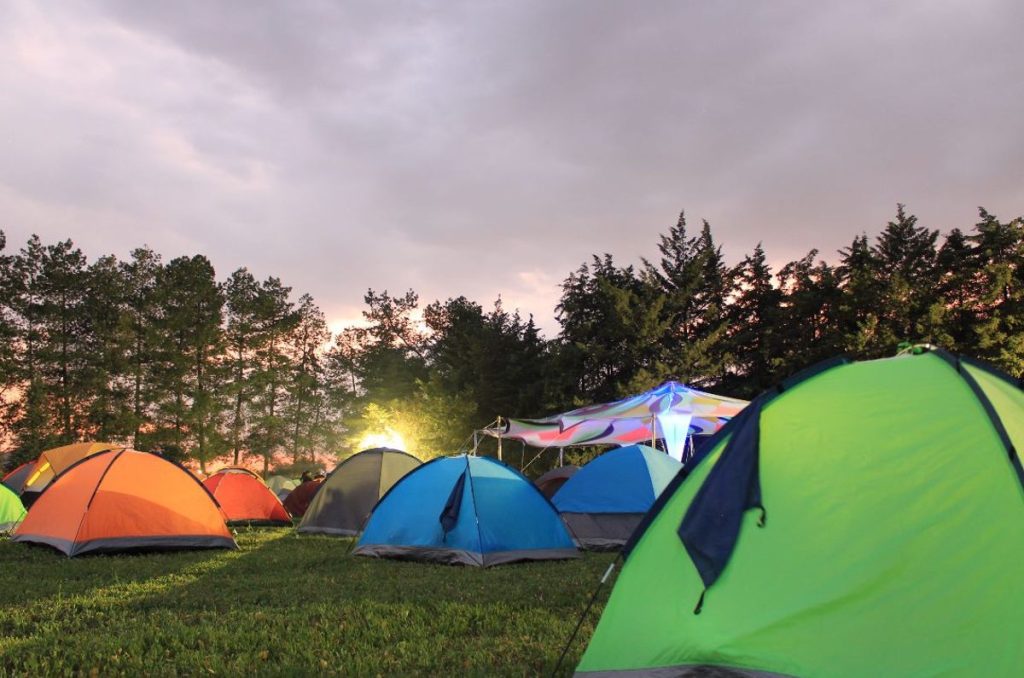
(487,148)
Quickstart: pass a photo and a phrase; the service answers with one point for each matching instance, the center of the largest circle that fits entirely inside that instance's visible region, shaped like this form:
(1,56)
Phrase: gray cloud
(484,148)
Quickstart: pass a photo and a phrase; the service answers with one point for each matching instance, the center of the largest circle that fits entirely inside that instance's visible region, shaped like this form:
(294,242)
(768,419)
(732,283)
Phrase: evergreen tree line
(163,356)
(743,328)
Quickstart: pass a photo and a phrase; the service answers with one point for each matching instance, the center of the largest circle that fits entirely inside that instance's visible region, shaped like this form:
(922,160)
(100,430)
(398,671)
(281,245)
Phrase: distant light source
(389,438)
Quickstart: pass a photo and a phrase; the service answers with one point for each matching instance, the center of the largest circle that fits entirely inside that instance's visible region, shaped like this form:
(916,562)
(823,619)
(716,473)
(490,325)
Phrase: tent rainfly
(550,482)
(15,480)
(862,519)
(11,510)
(280,484)
(298,500)
(124,500)
(244,498)
(604,502)
(52,463)
(465,510)
(344,502)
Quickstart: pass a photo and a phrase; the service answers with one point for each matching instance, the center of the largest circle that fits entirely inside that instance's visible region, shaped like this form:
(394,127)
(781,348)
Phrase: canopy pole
(535,457)
(561,457)
(654,431)
(499,437)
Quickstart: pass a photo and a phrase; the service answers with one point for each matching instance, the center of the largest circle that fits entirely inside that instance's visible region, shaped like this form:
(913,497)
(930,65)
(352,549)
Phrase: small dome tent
(244,498)
(15,480)
(124,500)
(11,510)
(343,504)
(604,502)
(860,519)
(52,463)
(552,481)
(465,510)
(297,501)
(281,485)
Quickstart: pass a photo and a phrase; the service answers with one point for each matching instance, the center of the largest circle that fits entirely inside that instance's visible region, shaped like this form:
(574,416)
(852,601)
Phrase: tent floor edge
(140,544)
(259,522)
(683,671)
(503,557)
(461,557)
(424,553)
(143,544)
(328,531)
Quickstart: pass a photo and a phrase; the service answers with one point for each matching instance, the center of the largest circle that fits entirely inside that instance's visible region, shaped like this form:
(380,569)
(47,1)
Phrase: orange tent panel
(52,463)
(124,500)
(245,499)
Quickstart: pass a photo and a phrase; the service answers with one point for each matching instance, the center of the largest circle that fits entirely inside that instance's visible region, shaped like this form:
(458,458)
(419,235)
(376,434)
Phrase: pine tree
(30,422)
(141,275)
(305,395)
(277,319)
(63,353)
(107,345)
(905,254)
(241,338)
(753,317)
(191,343)
(808,326)
(612,322)
(695,283)
(858,273)
(999,325)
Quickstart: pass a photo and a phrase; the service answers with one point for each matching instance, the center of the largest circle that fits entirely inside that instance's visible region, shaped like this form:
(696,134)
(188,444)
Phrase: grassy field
(287,604)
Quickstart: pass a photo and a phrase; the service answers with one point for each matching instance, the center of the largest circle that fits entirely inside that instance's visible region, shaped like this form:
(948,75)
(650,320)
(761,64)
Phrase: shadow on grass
(293,604)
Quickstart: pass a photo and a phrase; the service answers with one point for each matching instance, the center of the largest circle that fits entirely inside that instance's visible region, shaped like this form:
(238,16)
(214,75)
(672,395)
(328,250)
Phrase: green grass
(287,604)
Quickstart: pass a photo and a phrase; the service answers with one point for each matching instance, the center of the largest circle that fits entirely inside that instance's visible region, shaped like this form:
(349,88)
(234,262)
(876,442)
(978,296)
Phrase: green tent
(279,484)
(862,519)
(11,510)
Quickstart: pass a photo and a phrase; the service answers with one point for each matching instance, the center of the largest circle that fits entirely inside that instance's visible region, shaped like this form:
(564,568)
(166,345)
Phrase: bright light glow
(389,438)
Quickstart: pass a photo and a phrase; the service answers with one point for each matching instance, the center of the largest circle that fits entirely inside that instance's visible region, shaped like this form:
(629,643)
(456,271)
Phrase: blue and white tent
(469,510)
(604,501)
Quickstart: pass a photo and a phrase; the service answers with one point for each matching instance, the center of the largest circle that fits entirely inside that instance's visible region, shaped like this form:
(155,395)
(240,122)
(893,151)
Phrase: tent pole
(561,457)
(654,431)
(476,441)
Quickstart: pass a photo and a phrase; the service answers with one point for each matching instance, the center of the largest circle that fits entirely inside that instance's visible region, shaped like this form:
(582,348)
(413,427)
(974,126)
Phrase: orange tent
(123,500)
(52,463)
(245,499)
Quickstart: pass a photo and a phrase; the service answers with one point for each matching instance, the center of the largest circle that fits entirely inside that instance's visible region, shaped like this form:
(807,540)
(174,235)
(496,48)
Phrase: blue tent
(604,501)
(465,509)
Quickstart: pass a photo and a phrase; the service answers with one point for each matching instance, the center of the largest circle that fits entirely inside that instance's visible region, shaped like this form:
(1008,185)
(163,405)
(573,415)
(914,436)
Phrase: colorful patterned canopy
(669,412)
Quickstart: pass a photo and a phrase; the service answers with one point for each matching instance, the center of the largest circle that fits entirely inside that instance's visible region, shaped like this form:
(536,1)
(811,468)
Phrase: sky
(487,148)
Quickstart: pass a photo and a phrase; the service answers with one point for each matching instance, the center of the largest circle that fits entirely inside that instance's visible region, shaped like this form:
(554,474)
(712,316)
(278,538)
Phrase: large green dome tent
(860,519)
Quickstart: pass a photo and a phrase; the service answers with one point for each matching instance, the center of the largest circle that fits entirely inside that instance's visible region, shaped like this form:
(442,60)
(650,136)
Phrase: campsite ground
(286,604)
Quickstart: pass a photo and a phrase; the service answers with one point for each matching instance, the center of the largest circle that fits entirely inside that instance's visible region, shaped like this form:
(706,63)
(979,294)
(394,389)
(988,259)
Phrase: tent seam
(476,512)
(88,505)
(957,364)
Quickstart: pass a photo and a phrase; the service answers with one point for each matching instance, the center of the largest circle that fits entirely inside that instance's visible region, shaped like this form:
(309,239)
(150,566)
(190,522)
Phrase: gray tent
(348,495)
